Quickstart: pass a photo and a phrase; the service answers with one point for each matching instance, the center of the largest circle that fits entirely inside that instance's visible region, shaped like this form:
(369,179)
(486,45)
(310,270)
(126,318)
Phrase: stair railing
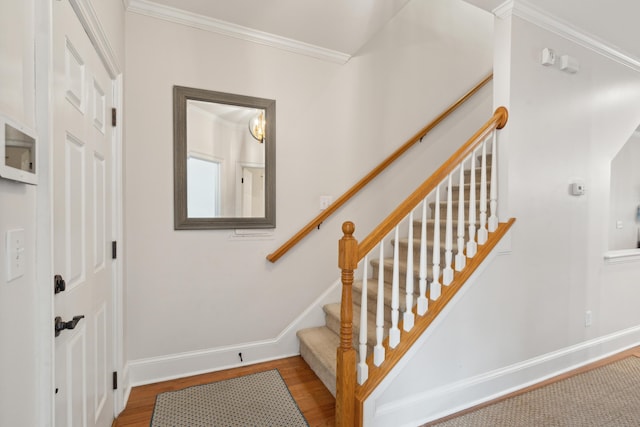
(377,353)
(315,223)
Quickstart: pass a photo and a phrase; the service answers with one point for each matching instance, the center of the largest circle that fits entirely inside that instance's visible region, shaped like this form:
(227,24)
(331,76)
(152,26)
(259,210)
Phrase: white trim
(91,23)
(44,215)
(119,401)
(504,10)
(527,11)
(623,255)
(162,368)
(178,16)
(445,400)
(126,385)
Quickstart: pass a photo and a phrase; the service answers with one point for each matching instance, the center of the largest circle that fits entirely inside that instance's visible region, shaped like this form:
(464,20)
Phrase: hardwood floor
(313,398)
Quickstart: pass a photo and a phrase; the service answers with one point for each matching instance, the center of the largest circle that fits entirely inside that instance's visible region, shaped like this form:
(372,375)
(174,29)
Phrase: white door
(82,221)
(252,192)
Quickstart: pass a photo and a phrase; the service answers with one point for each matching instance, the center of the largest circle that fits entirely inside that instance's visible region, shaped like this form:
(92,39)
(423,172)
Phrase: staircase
(436,238)
(318,345)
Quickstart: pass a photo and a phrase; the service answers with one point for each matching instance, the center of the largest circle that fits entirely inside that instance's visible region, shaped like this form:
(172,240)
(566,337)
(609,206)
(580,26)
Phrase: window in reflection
(203,187)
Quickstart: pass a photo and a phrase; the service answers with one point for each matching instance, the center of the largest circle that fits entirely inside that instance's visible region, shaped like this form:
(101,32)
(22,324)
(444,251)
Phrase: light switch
(15,254)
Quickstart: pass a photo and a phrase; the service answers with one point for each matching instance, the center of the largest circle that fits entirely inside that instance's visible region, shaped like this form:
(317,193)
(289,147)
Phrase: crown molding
(527,11)
(504,10)
(178,16)
(89,19)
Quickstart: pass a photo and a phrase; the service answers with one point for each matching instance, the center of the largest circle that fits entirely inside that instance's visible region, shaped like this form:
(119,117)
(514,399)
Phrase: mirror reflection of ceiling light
(257,127)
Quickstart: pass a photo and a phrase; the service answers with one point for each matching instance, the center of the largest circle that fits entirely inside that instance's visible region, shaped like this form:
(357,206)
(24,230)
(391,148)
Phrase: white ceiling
(340,25)
(346,25)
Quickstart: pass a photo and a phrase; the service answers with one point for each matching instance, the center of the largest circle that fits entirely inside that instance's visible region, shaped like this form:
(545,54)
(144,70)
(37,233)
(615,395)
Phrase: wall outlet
(588,318)
(325,201)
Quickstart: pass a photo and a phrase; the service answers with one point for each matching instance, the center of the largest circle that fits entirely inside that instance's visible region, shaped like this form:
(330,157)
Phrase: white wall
(523,318)
(192,293)
(18,311)
(111,16)
(625,196)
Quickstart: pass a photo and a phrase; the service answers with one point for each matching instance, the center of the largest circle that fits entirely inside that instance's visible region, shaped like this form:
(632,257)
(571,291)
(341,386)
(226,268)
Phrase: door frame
(89,20)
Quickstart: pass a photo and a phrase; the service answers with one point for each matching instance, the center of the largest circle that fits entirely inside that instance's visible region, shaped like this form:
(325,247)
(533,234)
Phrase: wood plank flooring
(313,398)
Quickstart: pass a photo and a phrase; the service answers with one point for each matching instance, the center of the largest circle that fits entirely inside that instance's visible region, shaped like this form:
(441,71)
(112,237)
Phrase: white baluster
(435,288)
(472,246)
(493,204)
(363,368)
(408,317)
(461,260)
(482,229)
(423,302)
(378,349)
(394,331)
(447,274)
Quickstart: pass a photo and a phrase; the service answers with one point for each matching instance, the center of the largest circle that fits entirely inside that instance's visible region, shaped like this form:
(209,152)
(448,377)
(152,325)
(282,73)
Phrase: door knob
(59,285)
(59,325)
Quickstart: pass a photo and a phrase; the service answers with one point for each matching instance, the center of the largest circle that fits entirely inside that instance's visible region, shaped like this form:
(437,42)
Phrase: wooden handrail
(422,323)
(274,256)
(350,398)
(497,121)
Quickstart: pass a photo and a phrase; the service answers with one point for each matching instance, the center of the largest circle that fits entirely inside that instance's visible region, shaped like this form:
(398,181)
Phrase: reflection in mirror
(624,207)
(224,160)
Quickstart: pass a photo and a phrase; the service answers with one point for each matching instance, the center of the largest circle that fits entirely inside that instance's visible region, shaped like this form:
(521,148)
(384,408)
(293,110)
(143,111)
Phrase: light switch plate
(15,254)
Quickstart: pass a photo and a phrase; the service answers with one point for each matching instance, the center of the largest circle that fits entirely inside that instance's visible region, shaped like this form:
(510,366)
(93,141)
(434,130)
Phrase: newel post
(346,360)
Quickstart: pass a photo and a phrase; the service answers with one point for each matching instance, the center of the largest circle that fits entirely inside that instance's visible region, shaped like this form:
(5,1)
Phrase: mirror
(224,160)
(17,151)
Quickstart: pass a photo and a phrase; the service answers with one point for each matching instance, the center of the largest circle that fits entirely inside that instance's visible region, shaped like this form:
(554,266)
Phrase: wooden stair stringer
(393,356)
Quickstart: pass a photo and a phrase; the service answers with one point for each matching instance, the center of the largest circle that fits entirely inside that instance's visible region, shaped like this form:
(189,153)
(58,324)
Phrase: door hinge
(114,249)
(115,380)
(113,117)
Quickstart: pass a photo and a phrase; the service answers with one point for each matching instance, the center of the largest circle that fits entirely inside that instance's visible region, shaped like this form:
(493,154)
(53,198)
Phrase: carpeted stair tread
(318,348)
(332,312)
(372,294)
(417,224)
(318,345)
(454,205)
(388,268)
(404,246)
(467,172)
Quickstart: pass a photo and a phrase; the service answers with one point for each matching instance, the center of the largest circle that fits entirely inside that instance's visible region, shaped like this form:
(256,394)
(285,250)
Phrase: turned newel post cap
(348,228)
(348,248)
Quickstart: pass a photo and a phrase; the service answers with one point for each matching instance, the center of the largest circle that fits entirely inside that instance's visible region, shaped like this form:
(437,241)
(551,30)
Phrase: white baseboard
(167,367)
(455,397)
(125,383)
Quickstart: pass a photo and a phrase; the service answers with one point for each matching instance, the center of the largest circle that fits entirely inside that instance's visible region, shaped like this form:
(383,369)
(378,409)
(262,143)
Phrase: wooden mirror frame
(182,221)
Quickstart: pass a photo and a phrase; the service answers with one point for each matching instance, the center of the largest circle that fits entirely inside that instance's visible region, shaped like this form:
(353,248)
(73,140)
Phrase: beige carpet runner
(261,399)
(608,396)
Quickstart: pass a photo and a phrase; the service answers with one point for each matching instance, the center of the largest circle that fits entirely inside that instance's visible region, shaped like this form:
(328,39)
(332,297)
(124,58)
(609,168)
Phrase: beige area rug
(606,396)
(261,399)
